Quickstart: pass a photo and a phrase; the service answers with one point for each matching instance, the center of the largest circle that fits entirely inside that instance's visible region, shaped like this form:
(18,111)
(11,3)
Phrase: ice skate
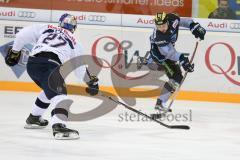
(161,108)
(61,132)
(35,122)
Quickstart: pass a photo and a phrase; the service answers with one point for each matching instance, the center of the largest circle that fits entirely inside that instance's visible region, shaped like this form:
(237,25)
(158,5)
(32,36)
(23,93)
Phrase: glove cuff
(182,58)
(193,26)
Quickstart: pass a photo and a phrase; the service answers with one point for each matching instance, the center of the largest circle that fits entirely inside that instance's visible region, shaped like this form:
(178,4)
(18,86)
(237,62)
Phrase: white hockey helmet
(68,22)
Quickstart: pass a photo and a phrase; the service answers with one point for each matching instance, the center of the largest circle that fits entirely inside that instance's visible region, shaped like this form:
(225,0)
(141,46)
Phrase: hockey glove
(93,87)
(187,66)
(197,30)
(12,57)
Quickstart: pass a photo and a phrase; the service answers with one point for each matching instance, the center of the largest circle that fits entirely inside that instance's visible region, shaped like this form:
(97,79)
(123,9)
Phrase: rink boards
(217,63)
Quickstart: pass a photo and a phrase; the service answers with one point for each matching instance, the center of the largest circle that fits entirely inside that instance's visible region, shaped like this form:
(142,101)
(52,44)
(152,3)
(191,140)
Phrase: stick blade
(180,127)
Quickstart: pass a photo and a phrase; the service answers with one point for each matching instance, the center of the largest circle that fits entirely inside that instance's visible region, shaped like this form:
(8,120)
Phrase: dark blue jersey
(162,44)
(162,39)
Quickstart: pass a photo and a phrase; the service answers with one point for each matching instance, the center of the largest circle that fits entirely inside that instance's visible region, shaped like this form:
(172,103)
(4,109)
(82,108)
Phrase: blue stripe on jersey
(69,42)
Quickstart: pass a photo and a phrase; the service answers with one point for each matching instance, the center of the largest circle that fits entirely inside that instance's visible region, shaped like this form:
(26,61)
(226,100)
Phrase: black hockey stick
(140,113)
(184,77)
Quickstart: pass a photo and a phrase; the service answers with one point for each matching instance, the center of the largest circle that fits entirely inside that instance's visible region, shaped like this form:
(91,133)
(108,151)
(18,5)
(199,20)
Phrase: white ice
(214,133)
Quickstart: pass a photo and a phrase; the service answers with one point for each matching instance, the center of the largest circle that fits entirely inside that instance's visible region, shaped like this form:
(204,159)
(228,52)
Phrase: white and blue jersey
(49,38)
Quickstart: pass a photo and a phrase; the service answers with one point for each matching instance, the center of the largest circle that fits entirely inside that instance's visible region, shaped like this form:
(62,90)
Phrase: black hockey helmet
(160,18)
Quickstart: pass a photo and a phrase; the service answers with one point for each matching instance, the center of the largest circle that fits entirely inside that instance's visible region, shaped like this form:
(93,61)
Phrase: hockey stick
(140,113)
(184,77)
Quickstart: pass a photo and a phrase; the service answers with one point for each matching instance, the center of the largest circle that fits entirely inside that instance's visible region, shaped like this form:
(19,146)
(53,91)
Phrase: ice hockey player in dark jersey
(53,45)
(162,51)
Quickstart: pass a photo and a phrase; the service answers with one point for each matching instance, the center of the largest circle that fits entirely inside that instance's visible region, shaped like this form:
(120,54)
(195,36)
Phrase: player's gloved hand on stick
(197,30)
(12,57)
(187,66)
(93,87)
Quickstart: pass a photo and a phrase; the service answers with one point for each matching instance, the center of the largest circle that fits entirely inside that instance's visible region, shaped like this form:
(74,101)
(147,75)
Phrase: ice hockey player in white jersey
(53,45)
(163,52)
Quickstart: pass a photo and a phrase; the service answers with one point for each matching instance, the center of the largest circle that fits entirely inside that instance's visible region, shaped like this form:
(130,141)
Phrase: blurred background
(220,9)
(106,25)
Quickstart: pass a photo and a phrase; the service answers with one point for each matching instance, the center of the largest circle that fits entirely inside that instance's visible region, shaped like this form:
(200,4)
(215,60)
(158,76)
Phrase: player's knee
(50,94)
(178,78)
(53,91)
(42,96)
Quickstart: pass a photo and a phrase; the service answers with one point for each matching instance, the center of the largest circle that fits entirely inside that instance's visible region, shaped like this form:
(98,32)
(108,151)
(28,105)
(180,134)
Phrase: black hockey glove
(12,57)
(93,87)
(187,66)
(197,30)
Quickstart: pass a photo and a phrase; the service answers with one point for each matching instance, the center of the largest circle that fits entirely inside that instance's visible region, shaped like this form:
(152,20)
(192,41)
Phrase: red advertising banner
(31,4)
(144,7)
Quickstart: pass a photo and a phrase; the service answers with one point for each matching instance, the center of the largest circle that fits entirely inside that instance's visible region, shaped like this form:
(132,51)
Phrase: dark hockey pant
(41,70)
(171,68)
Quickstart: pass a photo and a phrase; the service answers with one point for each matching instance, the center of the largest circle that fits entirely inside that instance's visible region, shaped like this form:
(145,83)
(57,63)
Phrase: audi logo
(97,18)
(235,25)
(26,14)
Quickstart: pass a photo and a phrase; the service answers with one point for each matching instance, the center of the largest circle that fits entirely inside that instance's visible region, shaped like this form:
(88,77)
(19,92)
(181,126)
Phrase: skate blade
(164,110)
(158,115)
(33,126)
(62,136)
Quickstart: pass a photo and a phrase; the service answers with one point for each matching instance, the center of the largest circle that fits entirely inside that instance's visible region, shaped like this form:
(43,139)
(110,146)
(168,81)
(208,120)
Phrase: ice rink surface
(214,133)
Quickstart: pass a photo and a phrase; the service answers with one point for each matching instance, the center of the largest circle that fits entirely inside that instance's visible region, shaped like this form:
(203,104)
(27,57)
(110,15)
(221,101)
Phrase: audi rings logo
(235,25)
(26,14)
(97,18)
